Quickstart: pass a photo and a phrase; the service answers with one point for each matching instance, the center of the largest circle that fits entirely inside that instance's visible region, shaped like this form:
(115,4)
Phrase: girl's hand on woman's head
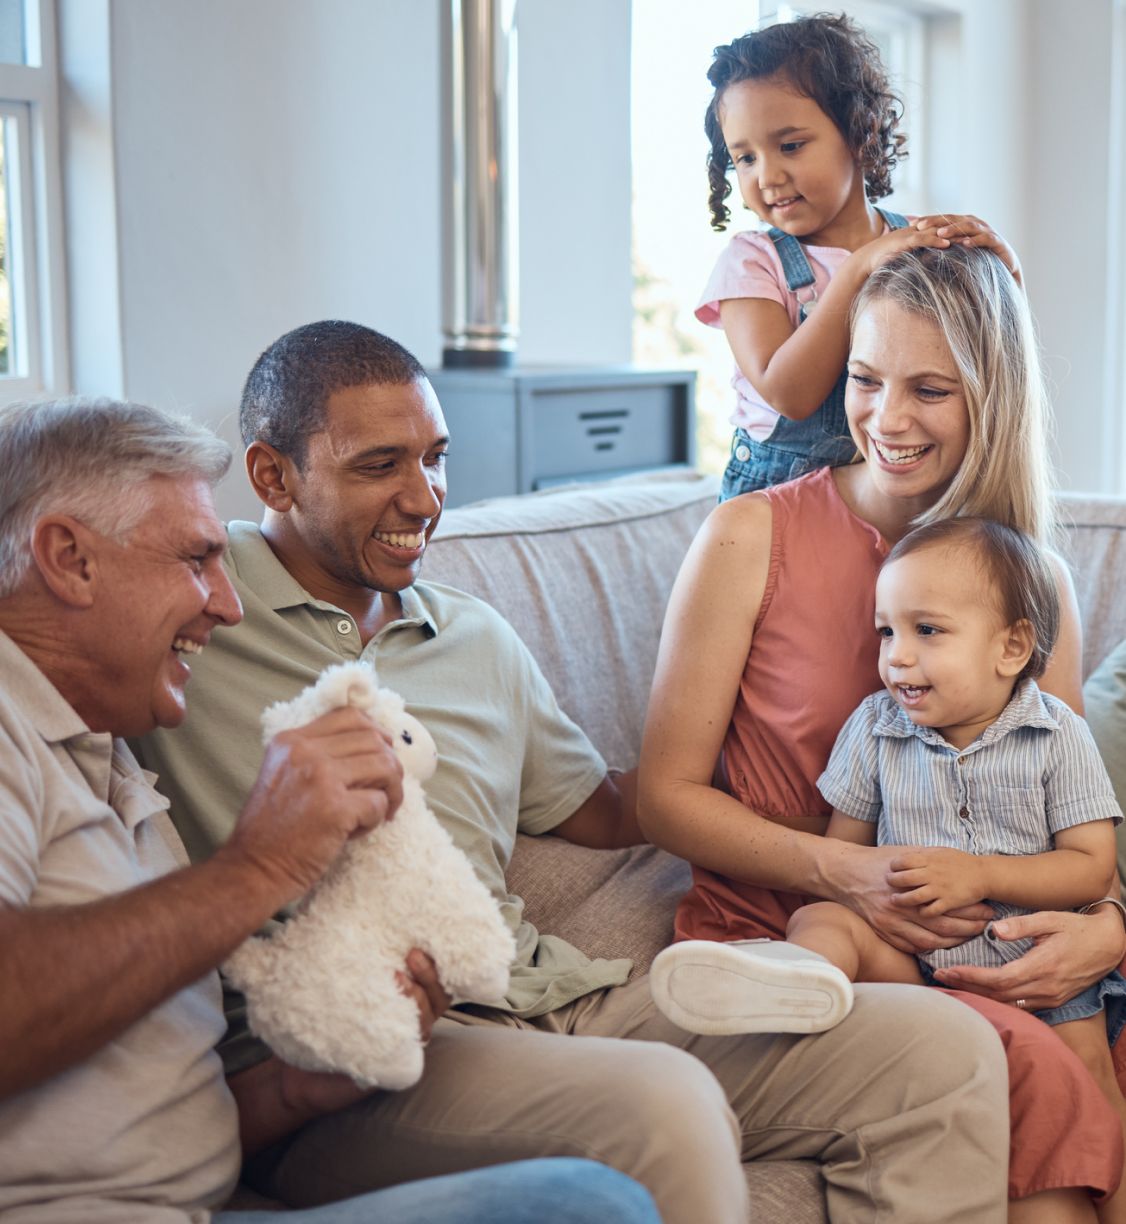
(887,246)
(1071,952)
(972,232)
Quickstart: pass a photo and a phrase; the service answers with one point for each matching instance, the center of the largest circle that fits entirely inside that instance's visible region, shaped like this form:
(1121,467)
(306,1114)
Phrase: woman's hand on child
(935,880)
(972,232)
(861,879)
(1071,952)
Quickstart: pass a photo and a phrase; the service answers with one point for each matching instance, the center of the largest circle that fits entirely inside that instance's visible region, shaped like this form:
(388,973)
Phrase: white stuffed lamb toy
(322,992)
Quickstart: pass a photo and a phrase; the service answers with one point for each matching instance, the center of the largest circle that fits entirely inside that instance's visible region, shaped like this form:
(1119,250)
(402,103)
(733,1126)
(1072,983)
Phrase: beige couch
(583,574)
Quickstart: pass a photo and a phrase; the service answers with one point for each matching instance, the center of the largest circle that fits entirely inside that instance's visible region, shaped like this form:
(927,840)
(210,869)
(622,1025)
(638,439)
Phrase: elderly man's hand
(319,785)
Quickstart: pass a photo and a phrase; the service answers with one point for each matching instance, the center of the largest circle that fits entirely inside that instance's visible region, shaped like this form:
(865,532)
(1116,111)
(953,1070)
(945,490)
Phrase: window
(1114,412)
(32,309)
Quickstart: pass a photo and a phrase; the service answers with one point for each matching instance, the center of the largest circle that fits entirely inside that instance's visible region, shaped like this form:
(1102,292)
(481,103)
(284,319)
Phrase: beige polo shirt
(509,758)
(145,1130)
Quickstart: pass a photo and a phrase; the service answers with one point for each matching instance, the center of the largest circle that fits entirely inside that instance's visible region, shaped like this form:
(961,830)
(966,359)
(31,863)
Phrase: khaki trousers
(904,1105)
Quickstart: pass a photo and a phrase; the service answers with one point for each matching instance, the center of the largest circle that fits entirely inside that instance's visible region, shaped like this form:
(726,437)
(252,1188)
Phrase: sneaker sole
(709,988)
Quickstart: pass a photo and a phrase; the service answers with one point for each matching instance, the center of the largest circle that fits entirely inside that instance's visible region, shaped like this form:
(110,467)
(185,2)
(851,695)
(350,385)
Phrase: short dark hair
(828,58)
(1016,567)
(284,400)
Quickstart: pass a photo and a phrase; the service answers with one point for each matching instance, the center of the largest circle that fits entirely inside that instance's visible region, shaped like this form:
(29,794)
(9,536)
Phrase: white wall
(1019,133)
(1070,282)
(237,169)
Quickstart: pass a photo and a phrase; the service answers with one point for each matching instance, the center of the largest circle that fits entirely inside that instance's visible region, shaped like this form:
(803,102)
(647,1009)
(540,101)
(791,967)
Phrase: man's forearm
(608,819)
(76,976)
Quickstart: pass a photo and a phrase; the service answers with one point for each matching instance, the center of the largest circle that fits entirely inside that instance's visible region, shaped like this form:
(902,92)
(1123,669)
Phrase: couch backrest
(1094,545)
(583,574)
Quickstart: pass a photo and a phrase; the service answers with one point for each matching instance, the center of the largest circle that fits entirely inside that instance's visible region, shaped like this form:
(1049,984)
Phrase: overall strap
(794,263)
(895,220)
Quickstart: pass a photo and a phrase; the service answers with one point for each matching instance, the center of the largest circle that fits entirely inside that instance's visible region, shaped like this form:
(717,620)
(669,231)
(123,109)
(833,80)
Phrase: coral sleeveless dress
(813,659)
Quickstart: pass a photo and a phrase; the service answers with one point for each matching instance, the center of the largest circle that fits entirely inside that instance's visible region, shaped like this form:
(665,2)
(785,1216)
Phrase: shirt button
(963,812)
(742,453)
(343,626)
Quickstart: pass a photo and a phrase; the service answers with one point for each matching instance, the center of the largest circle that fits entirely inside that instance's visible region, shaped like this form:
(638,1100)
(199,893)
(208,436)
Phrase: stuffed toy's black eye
(406,737)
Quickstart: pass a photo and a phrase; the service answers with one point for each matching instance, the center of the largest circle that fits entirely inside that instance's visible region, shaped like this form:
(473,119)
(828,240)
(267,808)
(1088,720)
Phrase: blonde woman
(768,646)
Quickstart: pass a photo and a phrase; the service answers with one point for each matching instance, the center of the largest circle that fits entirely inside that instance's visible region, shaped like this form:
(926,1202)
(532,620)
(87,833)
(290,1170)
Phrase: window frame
(1114,405)
(29,101)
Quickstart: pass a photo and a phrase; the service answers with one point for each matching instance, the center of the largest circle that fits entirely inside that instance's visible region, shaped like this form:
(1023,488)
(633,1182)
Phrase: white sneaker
(753,986)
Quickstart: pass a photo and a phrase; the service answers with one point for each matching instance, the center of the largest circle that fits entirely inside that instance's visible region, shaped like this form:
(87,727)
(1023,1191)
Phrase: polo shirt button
(343,626)
(963,812)
(742,453)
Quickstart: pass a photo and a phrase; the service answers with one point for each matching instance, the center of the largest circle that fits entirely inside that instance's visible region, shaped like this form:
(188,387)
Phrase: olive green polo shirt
(508,758)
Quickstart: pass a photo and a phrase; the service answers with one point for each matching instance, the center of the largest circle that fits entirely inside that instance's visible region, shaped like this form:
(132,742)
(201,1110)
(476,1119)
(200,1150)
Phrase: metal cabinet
(515,431)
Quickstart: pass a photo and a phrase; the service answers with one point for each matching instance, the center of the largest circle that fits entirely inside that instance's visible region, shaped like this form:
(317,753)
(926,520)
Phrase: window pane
(674,246)
(13,40)
(7,149)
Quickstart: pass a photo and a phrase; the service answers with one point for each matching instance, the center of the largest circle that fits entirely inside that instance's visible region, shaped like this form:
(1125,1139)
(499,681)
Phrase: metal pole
(480,209)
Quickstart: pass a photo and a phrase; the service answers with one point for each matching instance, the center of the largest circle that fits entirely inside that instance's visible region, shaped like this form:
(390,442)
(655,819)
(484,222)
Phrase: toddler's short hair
(1016,567)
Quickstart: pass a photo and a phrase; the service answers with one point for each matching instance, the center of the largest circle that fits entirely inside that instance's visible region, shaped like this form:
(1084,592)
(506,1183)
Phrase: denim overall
(795,447)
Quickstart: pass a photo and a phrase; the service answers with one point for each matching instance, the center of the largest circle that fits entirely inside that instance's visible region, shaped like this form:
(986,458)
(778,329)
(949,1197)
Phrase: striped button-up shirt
(1034,771)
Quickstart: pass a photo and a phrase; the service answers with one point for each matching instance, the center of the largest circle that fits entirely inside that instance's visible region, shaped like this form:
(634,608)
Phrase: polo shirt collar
(1026,708)
(255,563)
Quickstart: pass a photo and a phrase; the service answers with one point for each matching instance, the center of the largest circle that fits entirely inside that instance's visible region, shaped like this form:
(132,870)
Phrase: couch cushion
(1094,544)
(1104,696)
(583,574)
(609,903)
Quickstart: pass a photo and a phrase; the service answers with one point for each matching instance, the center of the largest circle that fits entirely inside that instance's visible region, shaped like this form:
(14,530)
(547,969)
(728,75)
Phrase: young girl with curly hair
(803,114)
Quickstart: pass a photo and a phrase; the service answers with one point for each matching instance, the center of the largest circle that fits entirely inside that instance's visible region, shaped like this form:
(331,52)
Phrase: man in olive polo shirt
(346,449)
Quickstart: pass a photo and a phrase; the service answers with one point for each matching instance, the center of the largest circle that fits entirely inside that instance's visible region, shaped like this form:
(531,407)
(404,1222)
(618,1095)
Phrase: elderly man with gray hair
(113,1104)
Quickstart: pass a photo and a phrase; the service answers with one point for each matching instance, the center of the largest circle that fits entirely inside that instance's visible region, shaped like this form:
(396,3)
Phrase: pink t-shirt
(749,267)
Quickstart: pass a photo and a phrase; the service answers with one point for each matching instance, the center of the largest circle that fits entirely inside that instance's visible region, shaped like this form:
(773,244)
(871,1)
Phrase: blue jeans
(562,1190)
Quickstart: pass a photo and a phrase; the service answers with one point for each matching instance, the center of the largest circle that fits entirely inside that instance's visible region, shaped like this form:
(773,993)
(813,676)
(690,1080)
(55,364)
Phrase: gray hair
(91,459)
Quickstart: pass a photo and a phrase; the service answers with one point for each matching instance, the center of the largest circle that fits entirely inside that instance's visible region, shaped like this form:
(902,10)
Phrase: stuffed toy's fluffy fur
(322,991)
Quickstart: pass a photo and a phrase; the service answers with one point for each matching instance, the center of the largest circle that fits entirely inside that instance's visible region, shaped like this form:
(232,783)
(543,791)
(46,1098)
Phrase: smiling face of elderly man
(113,574)
(155,601)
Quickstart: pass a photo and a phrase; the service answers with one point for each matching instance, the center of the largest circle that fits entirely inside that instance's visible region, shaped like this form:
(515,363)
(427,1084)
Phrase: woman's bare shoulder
(741,521)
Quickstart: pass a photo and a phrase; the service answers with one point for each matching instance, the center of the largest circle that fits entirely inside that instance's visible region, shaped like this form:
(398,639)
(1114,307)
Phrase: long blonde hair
(983,315)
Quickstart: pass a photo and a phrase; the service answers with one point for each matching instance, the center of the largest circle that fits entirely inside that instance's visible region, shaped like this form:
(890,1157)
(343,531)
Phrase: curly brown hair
(827,58)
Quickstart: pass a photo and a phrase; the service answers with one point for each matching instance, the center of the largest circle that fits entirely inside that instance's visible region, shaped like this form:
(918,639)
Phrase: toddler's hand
(935,880)
(972,232)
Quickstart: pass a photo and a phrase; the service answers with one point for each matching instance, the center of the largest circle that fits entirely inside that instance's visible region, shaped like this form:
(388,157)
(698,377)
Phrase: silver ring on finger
(1022,1004)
